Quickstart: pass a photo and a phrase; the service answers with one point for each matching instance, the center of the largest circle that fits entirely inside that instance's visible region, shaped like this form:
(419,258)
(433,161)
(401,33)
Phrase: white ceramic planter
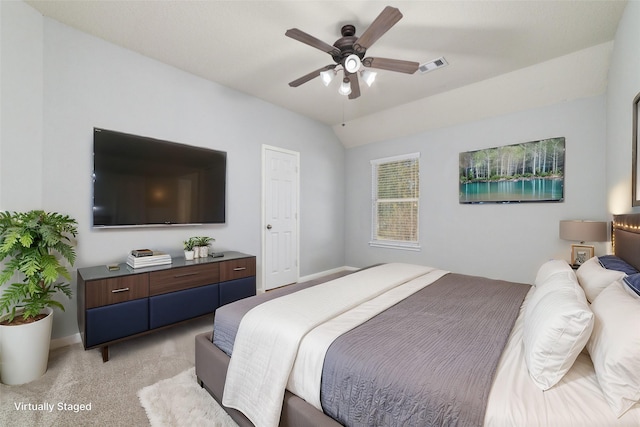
(204,251)
(188,255)
(24,350)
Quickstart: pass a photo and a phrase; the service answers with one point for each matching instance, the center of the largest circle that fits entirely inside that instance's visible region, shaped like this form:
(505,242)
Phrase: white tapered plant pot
(24,350)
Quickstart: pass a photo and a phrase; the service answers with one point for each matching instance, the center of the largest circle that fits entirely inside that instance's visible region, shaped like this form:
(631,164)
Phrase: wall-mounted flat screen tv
(140,181)
(528,172)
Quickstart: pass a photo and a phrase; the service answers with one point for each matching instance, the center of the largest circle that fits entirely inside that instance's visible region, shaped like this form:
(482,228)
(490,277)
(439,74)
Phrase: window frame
(384,243)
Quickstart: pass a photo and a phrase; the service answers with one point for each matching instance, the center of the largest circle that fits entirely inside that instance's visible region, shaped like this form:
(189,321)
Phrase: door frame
(263,220)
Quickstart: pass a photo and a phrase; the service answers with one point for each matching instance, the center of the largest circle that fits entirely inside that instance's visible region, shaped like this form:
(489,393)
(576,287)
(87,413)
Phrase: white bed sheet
(576,401)
(269,335)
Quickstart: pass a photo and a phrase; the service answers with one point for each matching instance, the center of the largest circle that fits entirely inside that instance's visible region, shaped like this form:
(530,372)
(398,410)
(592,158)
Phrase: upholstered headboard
(625,236)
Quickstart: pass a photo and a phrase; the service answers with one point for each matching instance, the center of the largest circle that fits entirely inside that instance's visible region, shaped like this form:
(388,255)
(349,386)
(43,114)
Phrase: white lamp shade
(345,87)
(369,77)
(583,231)
(352,63)
(327,76)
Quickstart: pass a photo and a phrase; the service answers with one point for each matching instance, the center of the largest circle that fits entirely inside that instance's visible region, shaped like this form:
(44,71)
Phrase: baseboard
(65,341)
(326,272)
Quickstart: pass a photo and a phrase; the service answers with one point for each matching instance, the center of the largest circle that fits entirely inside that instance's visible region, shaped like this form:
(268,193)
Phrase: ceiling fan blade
(408,67)
(387,19)
(305,38)
(355,86)
(311,75)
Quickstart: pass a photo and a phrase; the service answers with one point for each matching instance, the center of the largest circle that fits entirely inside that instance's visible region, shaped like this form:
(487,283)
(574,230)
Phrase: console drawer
(116,321)
(103,292)
(237,269)
(233,290)
(177,306)
(177,279)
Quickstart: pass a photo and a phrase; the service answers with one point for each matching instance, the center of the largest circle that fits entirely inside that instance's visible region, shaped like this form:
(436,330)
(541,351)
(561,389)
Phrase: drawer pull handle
(177,276)
(115,291)
(239,268)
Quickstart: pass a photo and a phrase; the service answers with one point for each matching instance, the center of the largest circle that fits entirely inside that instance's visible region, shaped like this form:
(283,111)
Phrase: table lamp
(583,231)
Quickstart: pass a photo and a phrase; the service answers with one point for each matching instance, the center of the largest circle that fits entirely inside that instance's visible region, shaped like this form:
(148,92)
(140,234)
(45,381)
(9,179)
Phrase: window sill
(396,245)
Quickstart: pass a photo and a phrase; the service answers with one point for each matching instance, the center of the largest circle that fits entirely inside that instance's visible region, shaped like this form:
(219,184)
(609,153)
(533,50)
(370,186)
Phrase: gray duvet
(426,361)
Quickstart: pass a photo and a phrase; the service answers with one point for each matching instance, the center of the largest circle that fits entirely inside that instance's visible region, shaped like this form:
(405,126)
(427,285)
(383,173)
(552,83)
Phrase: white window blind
(395,201)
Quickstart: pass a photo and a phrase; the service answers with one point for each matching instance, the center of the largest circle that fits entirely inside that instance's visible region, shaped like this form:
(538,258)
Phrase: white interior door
(280,217)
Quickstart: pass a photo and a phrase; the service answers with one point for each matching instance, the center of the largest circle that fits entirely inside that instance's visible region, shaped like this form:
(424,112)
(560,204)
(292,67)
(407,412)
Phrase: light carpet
(180,401)
(78,377)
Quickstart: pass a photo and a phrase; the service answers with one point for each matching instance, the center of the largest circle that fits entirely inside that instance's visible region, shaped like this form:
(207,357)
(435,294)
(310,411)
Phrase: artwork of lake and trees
(528,172)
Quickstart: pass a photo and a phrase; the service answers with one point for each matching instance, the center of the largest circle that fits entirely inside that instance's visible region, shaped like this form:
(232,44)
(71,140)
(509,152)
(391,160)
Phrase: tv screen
(144,181)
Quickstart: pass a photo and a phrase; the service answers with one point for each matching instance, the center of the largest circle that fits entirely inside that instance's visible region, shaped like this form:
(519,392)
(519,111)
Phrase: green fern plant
(189,244)
(203,241)
(32,243)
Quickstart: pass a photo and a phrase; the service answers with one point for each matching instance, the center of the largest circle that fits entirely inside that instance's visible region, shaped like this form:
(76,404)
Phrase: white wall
(86,82)
(624,85)
(505,241)
(20,107)
(1,103)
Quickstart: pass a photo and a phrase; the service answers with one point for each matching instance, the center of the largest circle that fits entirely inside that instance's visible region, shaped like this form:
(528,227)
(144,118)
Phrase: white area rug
(180,401)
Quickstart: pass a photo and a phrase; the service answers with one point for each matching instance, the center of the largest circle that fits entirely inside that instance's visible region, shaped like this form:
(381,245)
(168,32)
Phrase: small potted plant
(204,243)
(189,246)
(33,246)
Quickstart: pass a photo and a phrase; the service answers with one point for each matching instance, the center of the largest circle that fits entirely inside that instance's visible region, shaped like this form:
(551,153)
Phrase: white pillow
(557,325)
(615,347)
(630,291)
(593,277)
(551,268)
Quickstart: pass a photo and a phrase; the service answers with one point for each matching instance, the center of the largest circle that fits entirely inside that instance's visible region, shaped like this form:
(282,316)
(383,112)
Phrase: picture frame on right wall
(526,172)
(635,186)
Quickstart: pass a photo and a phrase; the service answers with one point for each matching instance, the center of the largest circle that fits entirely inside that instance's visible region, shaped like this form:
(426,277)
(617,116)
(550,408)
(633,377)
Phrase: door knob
(269,227)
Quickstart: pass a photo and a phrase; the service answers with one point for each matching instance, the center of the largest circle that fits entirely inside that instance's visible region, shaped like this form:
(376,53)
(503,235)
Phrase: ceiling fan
(349,52)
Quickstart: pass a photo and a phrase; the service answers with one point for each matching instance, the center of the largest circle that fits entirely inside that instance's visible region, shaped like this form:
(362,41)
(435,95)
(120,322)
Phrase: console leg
(105,354)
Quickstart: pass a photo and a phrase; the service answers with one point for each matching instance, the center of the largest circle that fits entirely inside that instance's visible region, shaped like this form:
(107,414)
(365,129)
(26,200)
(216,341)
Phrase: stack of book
(139,258)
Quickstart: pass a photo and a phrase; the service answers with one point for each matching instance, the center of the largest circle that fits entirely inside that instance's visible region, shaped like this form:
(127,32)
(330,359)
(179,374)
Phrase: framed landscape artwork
(527,172)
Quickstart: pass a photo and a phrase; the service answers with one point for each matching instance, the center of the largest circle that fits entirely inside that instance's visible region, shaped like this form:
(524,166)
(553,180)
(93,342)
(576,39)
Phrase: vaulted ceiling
(242,44)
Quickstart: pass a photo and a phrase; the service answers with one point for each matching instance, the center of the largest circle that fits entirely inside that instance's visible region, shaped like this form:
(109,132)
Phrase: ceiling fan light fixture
(348,53)
(352,63)
(327,76)
(345,87)
(368,77)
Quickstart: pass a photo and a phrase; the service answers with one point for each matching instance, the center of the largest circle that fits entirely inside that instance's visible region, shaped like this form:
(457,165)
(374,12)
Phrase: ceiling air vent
(432,65)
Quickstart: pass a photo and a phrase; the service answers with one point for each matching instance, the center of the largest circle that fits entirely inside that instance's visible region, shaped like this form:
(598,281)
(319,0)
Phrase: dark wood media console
(117,305)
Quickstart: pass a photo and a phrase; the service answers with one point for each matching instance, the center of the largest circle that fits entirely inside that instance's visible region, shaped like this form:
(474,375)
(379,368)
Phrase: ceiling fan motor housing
(345,45)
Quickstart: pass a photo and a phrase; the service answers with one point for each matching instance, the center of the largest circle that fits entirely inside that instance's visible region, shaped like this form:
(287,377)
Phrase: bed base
(211,371)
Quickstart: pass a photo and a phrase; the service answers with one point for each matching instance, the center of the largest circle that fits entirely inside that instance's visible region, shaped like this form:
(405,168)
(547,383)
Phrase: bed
(363,360)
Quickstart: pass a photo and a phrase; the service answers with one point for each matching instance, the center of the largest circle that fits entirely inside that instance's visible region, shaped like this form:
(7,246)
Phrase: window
(395,197)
